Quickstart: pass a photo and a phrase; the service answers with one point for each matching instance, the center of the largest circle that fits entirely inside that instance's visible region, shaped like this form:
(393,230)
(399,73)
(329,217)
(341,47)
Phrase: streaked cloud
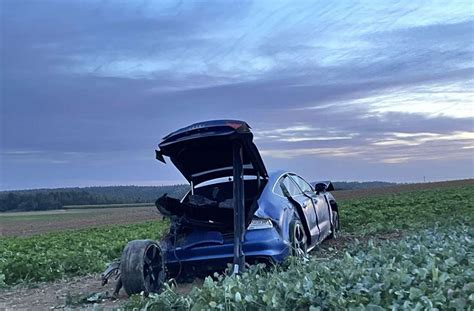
(97,84)
(297,139)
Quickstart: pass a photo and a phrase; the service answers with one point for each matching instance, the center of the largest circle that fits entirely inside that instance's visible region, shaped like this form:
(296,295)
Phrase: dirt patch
(69,294)
(41,222)
(46,296)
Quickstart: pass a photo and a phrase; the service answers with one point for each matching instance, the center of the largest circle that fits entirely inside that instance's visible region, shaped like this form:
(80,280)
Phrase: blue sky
(341,90)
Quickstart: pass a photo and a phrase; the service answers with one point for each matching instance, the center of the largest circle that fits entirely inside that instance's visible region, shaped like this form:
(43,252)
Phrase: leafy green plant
(2,280)
(408,211)
(430,268)
(54,255)
(427,270)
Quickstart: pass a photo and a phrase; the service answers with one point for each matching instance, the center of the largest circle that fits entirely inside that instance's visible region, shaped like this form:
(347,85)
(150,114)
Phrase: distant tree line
(352,185)
(47,199)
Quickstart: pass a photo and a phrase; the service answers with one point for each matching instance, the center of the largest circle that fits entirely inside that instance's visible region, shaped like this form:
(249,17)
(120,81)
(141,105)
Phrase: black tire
(335,225)
(142,267)
(298,238)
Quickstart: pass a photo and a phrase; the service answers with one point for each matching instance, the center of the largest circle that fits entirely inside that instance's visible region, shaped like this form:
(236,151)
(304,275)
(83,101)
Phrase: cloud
(389,151)
(297,139)
(107,80)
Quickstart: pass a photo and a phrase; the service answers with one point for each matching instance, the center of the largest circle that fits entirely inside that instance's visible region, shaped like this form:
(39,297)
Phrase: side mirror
(320,187)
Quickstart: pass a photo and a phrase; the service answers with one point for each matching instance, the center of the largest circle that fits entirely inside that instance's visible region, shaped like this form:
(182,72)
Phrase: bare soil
(69,294)
(30,223)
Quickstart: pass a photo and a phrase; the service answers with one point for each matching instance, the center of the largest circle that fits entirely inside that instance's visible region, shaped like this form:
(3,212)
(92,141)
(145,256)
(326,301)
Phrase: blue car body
(202,231)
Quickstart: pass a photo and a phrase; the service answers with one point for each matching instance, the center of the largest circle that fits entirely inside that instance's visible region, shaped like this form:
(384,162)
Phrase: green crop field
(432,269)
(411,250)
(409,210)
(52,256)
(428,265)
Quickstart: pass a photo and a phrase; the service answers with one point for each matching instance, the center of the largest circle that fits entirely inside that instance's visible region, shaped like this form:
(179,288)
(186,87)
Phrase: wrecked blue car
(234,211)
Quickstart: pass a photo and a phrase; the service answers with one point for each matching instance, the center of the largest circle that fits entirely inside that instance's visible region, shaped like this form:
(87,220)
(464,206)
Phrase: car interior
(211,205)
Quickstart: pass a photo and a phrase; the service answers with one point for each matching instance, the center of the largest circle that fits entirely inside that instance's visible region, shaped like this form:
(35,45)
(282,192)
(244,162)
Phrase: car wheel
(298,239)
(335,226)
(142,267)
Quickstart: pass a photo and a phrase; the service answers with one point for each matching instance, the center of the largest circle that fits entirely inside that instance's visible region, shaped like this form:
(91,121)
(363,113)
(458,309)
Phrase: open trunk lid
(203,151)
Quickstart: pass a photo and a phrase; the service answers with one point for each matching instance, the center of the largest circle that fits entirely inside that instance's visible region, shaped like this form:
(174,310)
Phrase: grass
(71,213)
(39,217)
(107,205)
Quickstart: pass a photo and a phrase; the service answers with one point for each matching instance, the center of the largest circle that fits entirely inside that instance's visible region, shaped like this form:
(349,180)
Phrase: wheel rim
(299,240)
(152,268)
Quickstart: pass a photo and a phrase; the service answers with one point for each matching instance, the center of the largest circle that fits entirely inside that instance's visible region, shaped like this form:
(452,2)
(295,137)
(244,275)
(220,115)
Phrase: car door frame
(307,210)
(321,208)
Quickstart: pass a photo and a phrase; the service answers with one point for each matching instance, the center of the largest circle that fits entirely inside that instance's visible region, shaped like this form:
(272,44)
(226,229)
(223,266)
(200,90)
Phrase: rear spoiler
(323,186)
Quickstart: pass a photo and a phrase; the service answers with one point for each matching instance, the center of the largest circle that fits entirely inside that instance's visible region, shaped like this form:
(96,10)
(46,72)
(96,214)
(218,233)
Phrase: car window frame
(311,190)
(280,180)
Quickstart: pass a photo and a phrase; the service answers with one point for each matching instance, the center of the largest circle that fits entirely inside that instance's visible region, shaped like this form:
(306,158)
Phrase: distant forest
(48,199)
(349,185)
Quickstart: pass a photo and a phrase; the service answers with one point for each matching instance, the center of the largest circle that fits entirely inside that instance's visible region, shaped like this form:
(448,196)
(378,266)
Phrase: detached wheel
(142,267)
(335,226)
(298,239)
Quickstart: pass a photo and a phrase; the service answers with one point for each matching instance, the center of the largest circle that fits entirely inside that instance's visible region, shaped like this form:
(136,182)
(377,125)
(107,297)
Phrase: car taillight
(260,223)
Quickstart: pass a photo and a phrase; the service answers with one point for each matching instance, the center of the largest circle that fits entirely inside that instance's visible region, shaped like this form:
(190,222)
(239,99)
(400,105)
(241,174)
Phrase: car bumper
(259,245)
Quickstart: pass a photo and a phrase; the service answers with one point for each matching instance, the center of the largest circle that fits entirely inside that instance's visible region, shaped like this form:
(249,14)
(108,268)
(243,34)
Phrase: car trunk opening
(210,150)
(207,151)
(211,206)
